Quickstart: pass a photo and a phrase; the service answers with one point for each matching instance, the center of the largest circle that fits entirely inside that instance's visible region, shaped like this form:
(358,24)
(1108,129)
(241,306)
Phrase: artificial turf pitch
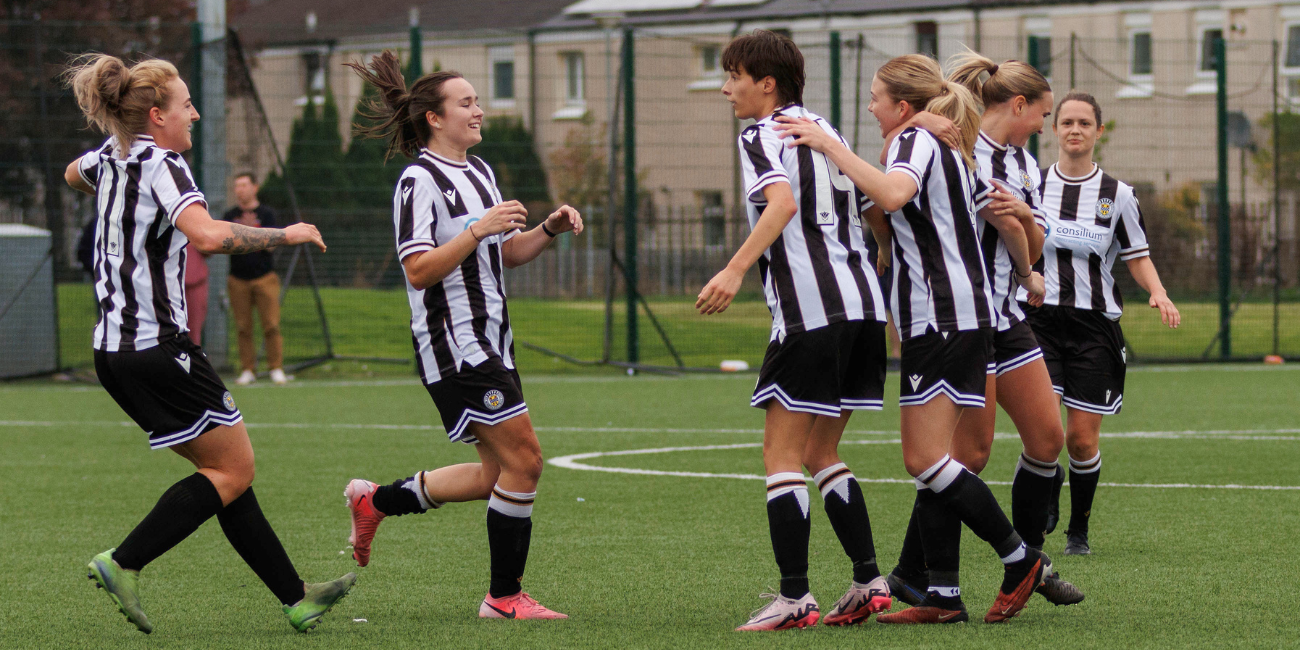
(641,560)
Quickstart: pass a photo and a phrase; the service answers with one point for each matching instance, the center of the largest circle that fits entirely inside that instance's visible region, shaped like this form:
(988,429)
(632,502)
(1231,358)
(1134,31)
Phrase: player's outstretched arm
(222,237)
(73,176)
(717,295)
(427,268)
(889,191)
(1144,271)
(526,246)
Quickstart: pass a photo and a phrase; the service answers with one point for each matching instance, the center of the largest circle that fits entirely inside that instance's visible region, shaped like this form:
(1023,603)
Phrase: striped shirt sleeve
(88,165)
(1131,231)
(760,161)
(414,213)
(911,153)
(981,187)
(1033,195)
(175,187)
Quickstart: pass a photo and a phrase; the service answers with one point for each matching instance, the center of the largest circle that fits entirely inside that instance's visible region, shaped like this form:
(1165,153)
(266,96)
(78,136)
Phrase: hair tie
(993,70)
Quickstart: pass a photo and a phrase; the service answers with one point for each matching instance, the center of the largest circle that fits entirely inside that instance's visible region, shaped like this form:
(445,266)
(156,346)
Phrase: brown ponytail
(401,114)
(116,99)
(1005,81)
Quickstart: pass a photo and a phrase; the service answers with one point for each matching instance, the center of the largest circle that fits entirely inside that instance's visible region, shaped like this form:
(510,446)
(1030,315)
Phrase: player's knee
(1081,449)
(916,462)
(978,460)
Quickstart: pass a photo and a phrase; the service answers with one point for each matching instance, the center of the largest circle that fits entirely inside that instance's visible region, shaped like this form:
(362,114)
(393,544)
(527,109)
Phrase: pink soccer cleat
(519,607)
(860,603)
(365,519)
(783,614)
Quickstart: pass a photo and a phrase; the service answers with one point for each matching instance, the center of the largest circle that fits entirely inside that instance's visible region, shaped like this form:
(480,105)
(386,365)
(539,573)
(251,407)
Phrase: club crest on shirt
(1026,180)
(493,399)
(228,401)
(1104,207)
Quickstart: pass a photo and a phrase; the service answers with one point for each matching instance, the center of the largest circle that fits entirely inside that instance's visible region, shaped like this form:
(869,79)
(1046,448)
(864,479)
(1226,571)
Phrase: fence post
(1073,39)
(1224,217)
(1034,62)
(835,80)
(1277,210)
(416,68)
(211,167)
(629,192)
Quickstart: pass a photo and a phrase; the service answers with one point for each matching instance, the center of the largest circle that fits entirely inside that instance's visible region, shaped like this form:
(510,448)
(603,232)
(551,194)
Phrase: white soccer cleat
(246,377)
(278,377)
(859,603)
(783,614)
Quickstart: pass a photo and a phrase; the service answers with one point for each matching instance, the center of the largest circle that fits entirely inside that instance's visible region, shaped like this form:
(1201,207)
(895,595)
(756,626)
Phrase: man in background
(253,282)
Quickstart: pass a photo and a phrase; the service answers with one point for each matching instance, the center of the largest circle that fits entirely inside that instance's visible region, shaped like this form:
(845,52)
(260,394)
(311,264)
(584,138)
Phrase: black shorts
(826,370)
(1015,347)
(956,364)
(1085,356)
(170,390)
(489,393)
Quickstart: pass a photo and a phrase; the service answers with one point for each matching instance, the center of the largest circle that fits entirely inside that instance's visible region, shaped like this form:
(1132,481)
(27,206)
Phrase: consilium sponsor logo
(1075,232)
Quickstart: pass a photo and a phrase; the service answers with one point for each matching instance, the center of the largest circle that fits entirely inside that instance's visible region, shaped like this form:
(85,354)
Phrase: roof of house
(285,22)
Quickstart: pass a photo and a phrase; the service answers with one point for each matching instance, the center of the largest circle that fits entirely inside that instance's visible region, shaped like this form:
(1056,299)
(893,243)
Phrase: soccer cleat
(1054,502)
(1058,591)
(520,606)
(365,519)
(318,599)
(122,586)
(783,614)
(1077,543)
(1009,605)
(911,592)
(246,377)
(860,603)
(925,615)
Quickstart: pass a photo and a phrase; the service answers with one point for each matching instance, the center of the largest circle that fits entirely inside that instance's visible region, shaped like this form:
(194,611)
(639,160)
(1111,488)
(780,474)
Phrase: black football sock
(251,535)
(1031,492)
(940,537)
(789,525)
(179,512)
(403,497)
(970,499)
(510,530)
(1084,475)
(847,510)
(911,560)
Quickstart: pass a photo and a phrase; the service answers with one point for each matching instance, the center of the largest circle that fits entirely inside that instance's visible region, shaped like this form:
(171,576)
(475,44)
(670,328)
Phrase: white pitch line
(571,461)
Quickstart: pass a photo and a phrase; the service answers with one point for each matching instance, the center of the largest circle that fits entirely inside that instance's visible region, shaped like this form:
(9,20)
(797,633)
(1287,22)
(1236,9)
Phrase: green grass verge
(374,323)
(638,561)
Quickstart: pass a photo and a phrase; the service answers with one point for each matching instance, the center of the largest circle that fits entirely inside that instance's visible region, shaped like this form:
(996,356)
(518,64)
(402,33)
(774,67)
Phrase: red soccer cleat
(520,606)
(365,519)
(1010,605)
(924,615)
(860,603)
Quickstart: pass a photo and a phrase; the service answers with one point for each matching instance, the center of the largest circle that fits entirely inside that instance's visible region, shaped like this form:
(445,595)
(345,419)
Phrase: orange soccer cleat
(365,519)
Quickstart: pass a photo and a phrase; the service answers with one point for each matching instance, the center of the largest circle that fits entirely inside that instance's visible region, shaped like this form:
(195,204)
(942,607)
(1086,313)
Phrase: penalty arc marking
(574,462)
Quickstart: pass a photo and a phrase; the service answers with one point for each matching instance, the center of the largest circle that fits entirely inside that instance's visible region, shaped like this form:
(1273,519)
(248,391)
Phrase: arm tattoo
(250,240)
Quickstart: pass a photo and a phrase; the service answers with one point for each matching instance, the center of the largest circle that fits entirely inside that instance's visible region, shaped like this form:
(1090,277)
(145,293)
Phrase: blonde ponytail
(917,80)
(1004,82)
(116,99)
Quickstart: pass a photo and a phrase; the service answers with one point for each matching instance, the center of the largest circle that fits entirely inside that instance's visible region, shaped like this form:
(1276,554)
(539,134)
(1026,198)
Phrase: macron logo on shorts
(184,360)
(916,381)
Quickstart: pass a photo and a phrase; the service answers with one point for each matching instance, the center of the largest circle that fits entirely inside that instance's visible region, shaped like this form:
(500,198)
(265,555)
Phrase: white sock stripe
(832,478)
(946,476)
(783,483)
(1045,464)
(521,496)
(920,485)
(416,485)
(931,471)
(509,509)
(1031,466)
(821,476)
(1086,466)
(1016,555)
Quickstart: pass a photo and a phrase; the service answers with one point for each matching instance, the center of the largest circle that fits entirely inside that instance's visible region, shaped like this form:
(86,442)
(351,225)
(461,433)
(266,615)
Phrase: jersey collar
(1071,179)
(433,157)
(996,147)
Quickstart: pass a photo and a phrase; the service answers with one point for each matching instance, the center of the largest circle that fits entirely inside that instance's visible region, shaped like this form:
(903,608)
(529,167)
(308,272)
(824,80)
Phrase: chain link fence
(557,130)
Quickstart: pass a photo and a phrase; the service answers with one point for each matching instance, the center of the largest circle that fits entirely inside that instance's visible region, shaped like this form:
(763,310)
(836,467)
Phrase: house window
(714,218)
(1293,46)
(502,60)
(710,68)
(573,86)
(1139,62)
(1040,54)
(927,38)
(1209,63)
(313,86)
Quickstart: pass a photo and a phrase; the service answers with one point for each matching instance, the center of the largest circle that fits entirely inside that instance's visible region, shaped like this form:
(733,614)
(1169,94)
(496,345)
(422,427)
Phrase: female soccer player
(1092,219)
(826,356)
(454,235)
(1016,99)
(148,209)
(942,303)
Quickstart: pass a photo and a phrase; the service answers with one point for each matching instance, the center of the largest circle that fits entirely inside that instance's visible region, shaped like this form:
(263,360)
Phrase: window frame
(571,107)
(918,33)
(502,54)
(706,79)
(1206,81)
(1140,85)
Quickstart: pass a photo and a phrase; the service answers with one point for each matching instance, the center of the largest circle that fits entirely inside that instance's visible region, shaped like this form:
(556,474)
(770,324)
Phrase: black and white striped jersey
(1091,221)
(139,254)
(463,319)
(939,273)
(1017,171)
(816,272)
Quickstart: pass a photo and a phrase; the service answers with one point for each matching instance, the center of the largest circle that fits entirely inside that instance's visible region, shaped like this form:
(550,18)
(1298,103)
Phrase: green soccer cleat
(121,586)
(320,597)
